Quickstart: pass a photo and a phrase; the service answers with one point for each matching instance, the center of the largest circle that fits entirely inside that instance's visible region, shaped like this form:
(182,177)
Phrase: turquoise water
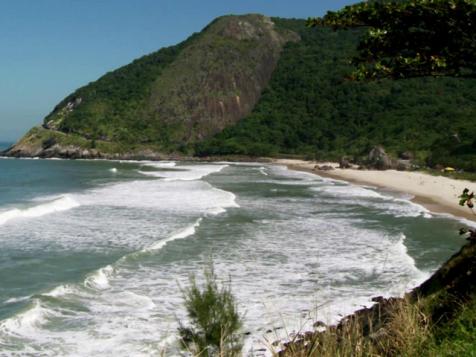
(93,252)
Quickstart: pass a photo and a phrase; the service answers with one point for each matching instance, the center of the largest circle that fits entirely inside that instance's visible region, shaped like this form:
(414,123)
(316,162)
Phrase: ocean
(94,253)
(4,145)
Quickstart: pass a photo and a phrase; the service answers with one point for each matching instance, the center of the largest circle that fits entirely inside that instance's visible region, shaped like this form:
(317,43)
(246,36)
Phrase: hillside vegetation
(170,99)
(246,86)
(311,108)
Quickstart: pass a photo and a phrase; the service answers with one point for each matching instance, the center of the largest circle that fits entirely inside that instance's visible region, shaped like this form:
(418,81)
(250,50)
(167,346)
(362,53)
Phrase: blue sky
(51,47)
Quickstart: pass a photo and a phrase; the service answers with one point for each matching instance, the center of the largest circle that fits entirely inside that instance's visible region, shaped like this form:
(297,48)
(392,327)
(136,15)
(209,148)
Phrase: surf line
(100,279)
(62,203)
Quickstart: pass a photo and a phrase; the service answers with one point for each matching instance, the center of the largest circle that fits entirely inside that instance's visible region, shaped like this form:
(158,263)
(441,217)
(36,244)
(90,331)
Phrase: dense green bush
(214,319)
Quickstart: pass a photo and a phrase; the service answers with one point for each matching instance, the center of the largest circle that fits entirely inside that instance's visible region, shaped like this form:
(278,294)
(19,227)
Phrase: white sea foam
(289,263)
(100,278)
(186,197)
(184,173)
(27,321)
(60,291)
(162,164)
(237,163)
(113,170)
(139,301)
(187,232)
(61,204)
(348,191)
(466,222)
(262,170)
(363,196)
(128,215)
(17,299)
(216,211)
(416,208)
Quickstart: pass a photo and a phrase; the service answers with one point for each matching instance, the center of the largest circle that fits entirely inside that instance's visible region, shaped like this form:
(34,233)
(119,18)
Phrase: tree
(214,318)
(410,38)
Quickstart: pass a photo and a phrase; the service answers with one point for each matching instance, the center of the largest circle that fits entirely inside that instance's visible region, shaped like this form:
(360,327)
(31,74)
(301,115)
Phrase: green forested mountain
(310,107)
(245,86)
(179,94)
(169,100)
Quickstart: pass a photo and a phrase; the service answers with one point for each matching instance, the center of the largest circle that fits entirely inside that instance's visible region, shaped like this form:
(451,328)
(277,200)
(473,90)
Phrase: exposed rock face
(219,79)
(64,111)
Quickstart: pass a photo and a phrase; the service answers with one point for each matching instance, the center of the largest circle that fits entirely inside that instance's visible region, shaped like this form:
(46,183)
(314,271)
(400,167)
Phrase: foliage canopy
(411,38)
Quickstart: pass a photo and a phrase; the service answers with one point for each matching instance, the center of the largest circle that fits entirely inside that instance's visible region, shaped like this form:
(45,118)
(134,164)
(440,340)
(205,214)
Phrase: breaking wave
(63,203)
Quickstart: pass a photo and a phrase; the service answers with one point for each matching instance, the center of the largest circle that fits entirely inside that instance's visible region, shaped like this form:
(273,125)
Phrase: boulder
(325,168)
(344,163)
(404,165)
(379,159)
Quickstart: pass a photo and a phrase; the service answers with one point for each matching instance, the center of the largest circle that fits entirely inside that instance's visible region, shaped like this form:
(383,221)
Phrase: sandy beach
(438,194)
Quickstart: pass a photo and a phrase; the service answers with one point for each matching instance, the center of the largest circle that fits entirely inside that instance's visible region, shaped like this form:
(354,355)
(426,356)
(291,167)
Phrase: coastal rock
(344,163)
(324,168)
(404,165)
(378,299)
(379,159)
(77,152)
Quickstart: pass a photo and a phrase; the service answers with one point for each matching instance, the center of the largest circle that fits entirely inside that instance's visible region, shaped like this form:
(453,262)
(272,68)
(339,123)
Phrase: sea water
(94,253)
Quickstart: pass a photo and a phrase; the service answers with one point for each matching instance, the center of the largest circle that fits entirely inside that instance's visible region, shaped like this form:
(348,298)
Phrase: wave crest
(63,203)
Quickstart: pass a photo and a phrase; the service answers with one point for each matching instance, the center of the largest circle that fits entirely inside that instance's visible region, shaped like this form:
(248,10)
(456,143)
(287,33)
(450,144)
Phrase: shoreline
(438,194)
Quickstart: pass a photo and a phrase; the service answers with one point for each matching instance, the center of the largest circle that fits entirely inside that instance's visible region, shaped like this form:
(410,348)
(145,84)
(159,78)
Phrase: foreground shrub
(214,318)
